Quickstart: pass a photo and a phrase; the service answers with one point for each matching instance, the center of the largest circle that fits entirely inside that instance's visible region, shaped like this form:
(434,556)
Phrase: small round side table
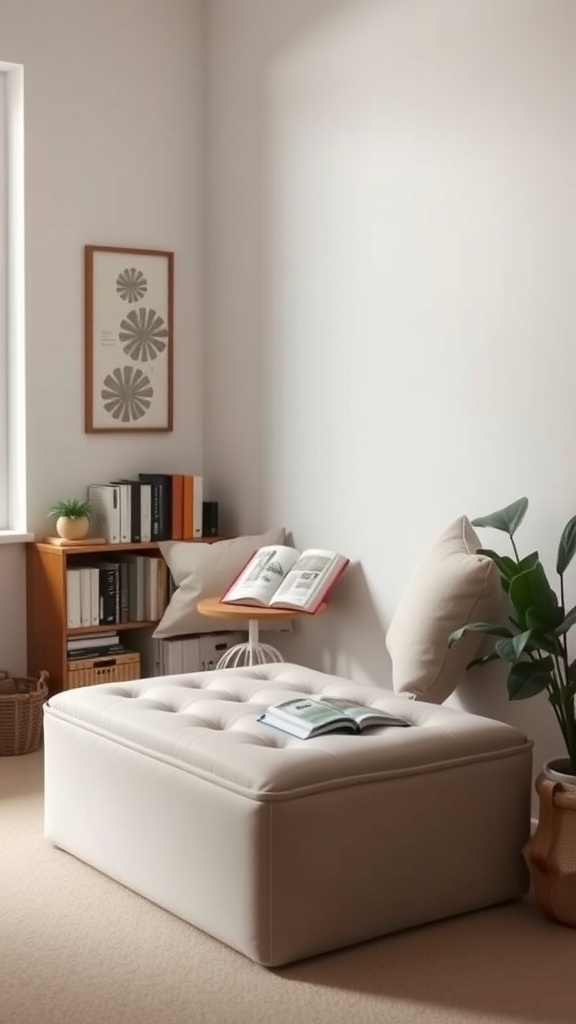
(252,652)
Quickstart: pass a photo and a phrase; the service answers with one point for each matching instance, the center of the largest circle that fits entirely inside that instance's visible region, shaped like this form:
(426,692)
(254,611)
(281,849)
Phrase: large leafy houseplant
(534,643)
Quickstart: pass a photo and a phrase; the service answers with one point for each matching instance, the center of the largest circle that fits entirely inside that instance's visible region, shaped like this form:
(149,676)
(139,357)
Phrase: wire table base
(250,653)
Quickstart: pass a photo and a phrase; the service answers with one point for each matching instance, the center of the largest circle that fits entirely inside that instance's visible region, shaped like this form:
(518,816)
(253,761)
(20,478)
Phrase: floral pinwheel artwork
(129,343)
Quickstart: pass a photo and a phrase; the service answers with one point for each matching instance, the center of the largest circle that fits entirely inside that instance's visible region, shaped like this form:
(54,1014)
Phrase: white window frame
(3,309)
(12,356)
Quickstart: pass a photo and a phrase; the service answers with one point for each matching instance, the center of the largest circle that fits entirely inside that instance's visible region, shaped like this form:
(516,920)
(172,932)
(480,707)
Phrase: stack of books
(198,653)
(154,507)
(94,645)
(133,588)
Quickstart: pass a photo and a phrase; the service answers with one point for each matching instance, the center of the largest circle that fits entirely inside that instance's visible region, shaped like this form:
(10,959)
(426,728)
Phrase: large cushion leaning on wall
(451,586)
(205,570)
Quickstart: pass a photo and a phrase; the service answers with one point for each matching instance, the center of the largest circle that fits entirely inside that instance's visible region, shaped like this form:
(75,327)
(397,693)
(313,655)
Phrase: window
(12,425)
(3,310)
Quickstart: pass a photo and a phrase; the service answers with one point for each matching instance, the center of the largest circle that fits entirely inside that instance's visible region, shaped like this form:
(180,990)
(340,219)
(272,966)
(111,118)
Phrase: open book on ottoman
(278,576)
(305,717)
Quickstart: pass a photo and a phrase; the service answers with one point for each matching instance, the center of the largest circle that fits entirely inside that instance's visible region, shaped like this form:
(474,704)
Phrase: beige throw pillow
(452,586)
(205,570)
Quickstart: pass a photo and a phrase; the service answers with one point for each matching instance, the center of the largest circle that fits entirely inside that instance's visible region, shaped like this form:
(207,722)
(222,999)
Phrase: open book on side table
(305,717)
(278,576)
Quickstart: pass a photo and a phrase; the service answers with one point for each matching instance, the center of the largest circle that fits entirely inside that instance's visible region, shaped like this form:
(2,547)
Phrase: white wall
(391,257)
(389,265)
(113,157)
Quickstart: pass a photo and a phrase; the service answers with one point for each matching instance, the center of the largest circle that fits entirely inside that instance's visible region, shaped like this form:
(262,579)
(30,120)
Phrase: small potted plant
(72,518)
(533,642)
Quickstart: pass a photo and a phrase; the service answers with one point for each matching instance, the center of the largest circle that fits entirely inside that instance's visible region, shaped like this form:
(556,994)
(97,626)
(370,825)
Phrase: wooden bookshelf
(46,601)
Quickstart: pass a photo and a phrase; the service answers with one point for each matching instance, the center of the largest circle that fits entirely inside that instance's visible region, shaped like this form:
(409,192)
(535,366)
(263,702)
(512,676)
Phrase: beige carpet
(77,948)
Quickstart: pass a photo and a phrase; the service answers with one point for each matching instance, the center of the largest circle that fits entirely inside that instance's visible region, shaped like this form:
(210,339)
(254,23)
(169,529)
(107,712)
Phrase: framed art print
(129,343)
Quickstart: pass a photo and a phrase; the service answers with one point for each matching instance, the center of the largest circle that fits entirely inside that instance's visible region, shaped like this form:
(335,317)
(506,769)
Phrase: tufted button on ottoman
(281,847)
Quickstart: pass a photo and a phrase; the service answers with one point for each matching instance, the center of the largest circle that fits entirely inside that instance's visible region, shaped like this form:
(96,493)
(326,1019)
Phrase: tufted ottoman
(280,847)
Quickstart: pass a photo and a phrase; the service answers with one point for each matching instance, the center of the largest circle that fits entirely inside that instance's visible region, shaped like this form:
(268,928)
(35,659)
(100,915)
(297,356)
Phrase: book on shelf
(197,503)
(130,516)
(140,506)
(104,651)
(305,717)
(124,584)
(85,596)
(145,511)
(187,507)
(105,502)
(154,507)
(88,640)
(125,511)
(177,506)
(192,495)
(278,576)
(161,497)
(136,587)
(178,654)
(94,595)
(109,593)
(73,599)
(155,588)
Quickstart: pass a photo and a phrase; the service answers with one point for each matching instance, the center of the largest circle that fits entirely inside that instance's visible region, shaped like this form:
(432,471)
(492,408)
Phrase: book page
(363,713)
(263,574)
(307,577)
(306,709)
(304,717)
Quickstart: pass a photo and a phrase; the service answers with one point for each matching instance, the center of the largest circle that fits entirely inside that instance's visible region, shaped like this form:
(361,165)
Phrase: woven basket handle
(43,677)
(4,675)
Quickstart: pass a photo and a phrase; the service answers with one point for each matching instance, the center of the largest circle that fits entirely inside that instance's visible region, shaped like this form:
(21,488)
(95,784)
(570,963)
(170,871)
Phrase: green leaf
(492,629)
(565,697)
(531,590)
(507,519)
(545,665)
(72,508)
(535,621)
(483,660)
(506,566)
(542,641)
(567,546)
(512,648)
(567,623)
(528,562)
(526,679)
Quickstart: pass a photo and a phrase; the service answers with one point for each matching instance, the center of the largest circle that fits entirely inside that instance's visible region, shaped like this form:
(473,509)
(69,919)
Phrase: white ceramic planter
(72,529)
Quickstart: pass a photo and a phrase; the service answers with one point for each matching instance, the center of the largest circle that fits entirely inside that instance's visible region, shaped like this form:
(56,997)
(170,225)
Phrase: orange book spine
(177,506)
(188,508)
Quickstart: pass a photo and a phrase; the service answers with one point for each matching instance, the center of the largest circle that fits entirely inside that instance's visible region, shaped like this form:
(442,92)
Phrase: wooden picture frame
(128,339)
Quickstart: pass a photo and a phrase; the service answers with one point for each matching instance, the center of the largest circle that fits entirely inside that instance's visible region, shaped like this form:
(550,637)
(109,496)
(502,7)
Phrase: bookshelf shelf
(46,602)
(111,628)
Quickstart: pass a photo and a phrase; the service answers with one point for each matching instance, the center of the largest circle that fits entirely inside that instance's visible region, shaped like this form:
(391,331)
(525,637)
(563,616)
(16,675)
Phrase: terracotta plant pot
(551,851)
(72,529)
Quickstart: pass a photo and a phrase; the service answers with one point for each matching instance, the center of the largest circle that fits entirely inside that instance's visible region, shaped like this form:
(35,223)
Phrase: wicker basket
(21,704)
(116,669)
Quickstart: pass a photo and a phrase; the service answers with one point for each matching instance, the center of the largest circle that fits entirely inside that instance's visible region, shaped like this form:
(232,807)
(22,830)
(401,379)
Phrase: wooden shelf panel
(97,549)
(112,627)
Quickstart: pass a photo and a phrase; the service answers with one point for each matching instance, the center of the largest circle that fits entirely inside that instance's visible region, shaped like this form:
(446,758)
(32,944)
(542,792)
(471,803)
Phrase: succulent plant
(71,508)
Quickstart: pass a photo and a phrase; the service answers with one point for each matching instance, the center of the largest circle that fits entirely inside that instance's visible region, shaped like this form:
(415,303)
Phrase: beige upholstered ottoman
(280,847)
